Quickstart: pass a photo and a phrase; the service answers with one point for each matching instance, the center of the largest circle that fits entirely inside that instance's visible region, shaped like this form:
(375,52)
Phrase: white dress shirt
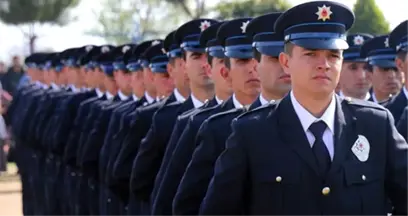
(263,100)
(149,98)
(237,104)
(178,96)
(99,93)
(135,98)
(55,86)
(197,103)
(122,96)
(219,101)
(307,119)
(109,96)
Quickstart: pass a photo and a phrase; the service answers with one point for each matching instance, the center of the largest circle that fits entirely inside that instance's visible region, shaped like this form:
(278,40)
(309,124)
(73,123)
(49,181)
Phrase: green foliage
(193,9)
(369,18)
(249,8)
(18,12)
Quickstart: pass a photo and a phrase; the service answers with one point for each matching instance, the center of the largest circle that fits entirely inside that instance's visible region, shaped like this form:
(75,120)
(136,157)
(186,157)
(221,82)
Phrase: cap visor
(383,63)
(323,44)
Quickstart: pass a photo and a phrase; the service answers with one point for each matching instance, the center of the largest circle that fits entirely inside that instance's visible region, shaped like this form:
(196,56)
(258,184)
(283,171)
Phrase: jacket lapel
(344,133)
(255,104)
(292,133)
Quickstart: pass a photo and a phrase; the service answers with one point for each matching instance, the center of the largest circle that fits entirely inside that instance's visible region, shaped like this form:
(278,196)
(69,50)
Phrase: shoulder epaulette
(255,112)
(361,103)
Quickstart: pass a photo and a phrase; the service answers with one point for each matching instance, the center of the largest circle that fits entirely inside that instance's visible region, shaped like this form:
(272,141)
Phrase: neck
(222,94)
(151,93)
(245,99)
(315,105)
(126,92)
(201,93)
(380,96)
(138,94)
(184,91)
(358,95)
(270,95)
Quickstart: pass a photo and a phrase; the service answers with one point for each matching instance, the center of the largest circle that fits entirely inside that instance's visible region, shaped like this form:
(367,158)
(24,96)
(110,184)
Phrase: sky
(13,42)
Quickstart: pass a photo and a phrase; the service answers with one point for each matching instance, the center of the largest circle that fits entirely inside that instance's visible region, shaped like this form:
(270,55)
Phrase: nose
(323,63)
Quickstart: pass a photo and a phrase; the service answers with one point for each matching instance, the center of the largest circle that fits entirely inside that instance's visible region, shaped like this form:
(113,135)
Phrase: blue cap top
(105,61)
(208,39)
(355,41)
(232,37)
(120,62)
(171,48)
(188,34)
(82,53)
(156,58)
(35,60)
(70,57)
(399,37)
(316,25)
(378,52)
(265,41)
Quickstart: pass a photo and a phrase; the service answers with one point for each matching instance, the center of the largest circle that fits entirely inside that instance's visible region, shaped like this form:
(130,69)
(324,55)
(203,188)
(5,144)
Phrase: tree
(249,8)
(29,13)
(193,9)
(124,21)
(369,18)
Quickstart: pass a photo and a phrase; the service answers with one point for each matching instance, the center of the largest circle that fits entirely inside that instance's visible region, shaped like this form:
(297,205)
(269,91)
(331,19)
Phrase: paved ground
(10,193)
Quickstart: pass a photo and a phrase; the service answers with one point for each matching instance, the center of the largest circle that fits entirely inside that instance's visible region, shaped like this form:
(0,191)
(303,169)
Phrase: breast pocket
(365,185)
(278,186)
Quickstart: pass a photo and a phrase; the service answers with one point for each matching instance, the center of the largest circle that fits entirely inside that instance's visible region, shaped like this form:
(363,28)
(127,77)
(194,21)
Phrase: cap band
(215,51)
(135,66)
(243,51)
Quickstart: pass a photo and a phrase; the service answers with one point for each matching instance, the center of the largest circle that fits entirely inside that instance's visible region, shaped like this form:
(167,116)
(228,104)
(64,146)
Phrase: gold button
(278,179)
(326,191)
(363,177)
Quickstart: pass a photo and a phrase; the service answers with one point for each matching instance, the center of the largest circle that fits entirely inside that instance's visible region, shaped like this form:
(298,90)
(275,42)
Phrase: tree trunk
(32,39)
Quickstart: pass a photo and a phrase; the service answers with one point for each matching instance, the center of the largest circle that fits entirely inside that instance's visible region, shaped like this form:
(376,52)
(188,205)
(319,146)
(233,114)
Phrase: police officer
(241,73)
(148,160)
(355,81)
(275,84)
(402,125)
(386,78)
(293,164)
(398,41)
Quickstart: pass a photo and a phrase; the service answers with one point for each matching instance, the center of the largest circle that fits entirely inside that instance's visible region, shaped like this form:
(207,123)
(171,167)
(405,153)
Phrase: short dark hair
(257,54)
(288,48)
(183,54)
(227,62)
(209,59)
(368,67)
(172,60)
(402,55)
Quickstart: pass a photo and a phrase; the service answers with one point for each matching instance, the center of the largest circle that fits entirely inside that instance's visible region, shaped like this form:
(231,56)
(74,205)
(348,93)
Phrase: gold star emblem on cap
(244,26)
(358,40)
(386,43)
(323,13)
(204,25)
(154,43)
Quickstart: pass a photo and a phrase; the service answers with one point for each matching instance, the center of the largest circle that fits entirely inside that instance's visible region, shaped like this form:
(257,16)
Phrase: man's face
(110,84)
(354,79)
(122,80)
(217,65)
(16,61)
(244,77)
(137,83)
(387,80)
(148,79)
(195,67)
(315,72)
(176,71)
(164,84)
(272,76)
(402,64)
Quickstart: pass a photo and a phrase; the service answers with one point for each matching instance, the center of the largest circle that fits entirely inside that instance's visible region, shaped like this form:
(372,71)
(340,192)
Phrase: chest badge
(361,148)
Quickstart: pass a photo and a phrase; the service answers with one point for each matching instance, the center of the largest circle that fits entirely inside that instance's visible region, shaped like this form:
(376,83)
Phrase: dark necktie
(319,148)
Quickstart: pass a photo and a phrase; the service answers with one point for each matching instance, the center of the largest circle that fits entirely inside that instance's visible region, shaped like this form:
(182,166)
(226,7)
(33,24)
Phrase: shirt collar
(74,88)
(109,96)
(122,96)
(99,93)
(237,104)
(55,86)
(306,118)
(149,98)
(197,103)
(367,97)
(219,101)
(178,96)
(263,100)
(135,98)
